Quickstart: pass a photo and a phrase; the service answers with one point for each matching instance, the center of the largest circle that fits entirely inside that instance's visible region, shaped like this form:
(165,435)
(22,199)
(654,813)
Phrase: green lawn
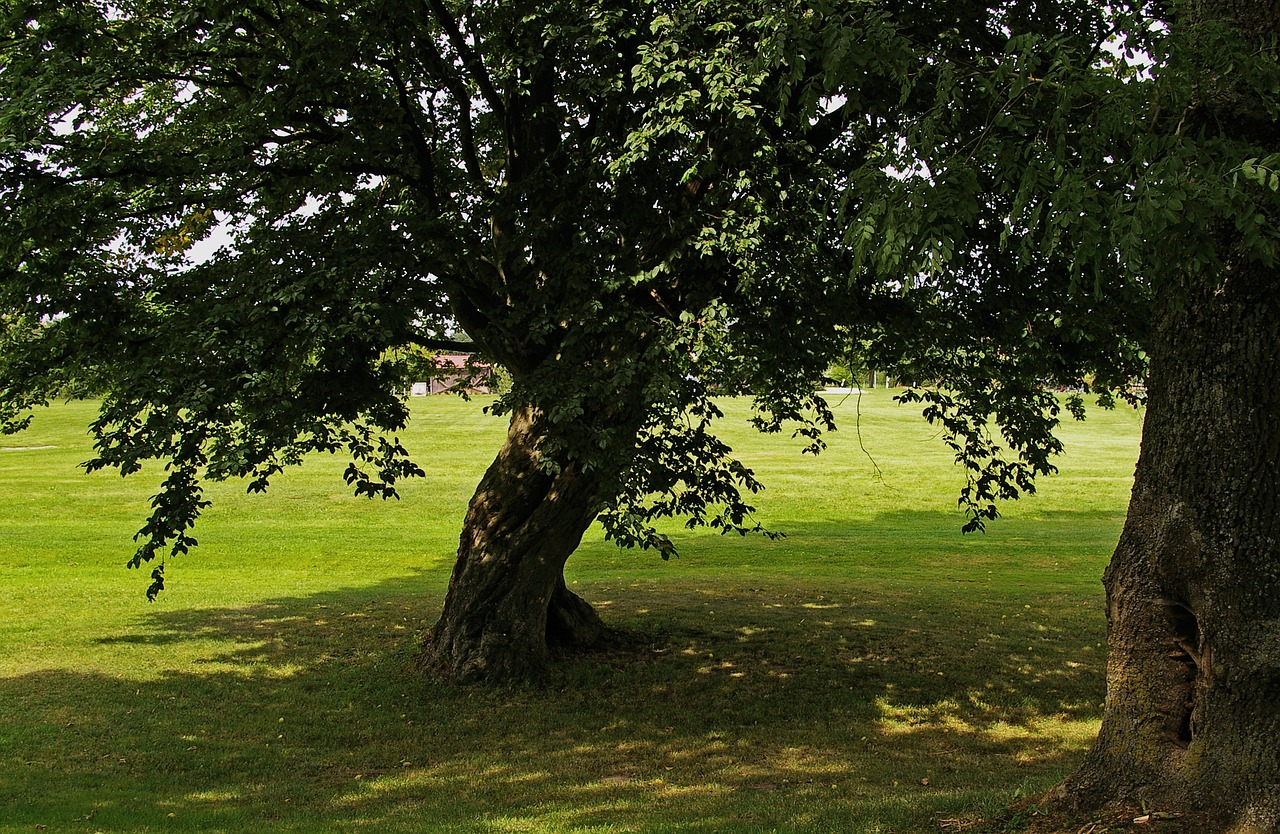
(875,671)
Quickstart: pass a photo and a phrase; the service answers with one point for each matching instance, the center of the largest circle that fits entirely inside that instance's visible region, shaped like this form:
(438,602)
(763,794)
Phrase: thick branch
(426,159)
(470,59)
(444,69)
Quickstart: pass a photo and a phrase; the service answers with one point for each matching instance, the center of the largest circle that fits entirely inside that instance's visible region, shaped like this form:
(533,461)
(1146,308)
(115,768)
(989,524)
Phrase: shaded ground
(1033,820)
(796,708)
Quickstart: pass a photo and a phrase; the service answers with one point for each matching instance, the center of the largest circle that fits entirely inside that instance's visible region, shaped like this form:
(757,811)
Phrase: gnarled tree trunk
(507,602)
(1192,717)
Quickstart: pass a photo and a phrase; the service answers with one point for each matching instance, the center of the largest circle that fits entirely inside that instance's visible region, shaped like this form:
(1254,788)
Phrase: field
(874,671)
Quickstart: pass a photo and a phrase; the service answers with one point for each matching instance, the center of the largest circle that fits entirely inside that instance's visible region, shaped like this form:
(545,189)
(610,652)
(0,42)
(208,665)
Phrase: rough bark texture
(507,602)
(1192,718)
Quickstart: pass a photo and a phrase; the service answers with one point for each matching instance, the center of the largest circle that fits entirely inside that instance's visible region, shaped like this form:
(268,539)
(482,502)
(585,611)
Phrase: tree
(1134,188)
(626,205)
(623,204)
(1193,590)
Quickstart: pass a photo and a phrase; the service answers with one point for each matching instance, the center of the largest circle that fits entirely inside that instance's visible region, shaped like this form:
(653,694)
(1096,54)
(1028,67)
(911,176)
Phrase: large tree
(388,174)
(1133,185)
(1192,719)
(627,205)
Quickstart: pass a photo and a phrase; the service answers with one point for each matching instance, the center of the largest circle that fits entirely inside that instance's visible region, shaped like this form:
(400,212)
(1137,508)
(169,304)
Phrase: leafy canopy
(629,206)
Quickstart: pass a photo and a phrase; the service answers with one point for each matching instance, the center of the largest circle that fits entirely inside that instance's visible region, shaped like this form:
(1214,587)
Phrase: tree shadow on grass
(798,708)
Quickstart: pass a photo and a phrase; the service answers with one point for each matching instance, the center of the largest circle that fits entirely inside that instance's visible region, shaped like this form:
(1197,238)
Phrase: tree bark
(1192,715)
(507,602)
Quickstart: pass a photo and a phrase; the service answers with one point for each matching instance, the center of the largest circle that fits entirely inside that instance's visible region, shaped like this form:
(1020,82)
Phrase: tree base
(573,624)
(465,655)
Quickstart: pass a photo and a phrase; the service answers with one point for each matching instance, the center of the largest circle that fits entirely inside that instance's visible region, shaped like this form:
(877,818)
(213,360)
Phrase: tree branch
(444,69)
(426,159)
(470,59)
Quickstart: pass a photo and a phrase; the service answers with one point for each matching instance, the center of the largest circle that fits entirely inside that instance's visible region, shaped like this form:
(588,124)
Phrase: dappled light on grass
(271,639)
(989,729)
(872,713)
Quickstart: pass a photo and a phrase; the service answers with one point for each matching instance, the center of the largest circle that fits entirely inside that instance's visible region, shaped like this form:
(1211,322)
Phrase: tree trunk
(1192,715)
(507,602)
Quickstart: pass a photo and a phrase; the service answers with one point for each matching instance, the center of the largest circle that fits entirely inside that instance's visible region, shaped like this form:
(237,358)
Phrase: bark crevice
(1187,650)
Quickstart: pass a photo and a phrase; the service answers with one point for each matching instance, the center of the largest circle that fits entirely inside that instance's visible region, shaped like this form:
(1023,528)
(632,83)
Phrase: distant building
(455,373)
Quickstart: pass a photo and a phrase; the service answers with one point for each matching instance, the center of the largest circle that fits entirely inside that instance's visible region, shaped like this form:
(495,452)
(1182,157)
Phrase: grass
(875,671)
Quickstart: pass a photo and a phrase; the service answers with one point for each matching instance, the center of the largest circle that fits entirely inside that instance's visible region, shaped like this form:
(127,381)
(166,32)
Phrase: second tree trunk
(1192,718)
